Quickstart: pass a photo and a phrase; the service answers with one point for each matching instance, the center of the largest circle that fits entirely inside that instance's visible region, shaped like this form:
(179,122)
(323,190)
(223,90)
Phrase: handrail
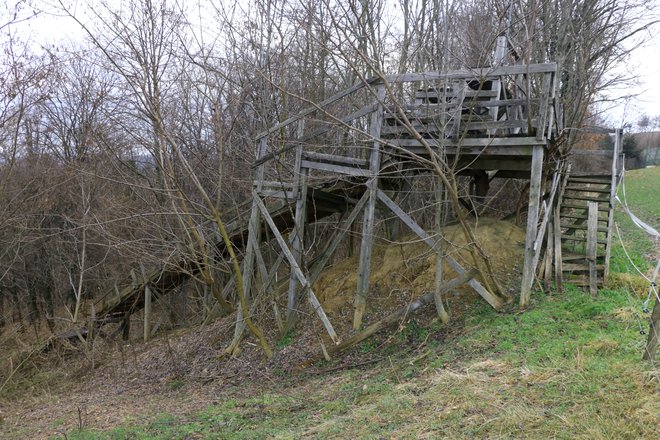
(460,74)
(480,72)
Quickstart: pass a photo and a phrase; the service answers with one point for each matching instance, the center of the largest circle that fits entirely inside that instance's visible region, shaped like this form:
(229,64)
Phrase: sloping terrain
(569,367)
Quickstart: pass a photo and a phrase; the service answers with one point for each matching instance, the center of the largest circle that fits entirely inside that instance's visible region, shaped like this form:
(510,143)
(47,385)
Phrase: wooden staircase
(578,193)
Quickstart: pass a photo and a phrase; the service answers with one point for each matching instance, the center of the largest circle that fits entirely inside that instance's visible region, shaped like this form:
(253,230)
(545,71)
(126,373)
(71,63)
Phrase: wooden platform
(348,152)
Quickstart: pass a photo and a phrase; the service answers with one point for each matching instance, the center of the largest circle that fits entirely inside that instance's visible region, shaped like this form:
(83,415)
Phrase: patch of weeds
(175,384)
(413,332)
(368,346)
(285,340)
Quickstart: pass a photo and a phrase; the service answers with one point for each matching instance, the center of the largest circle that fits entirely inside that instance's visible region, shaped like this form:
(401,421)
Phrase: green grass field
(570,367)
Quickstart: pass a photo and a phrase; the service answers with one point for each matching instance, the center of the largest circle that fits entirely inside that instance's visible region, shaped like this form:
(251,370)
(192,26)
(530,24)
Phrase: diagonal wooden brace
(492,299)
(316,305)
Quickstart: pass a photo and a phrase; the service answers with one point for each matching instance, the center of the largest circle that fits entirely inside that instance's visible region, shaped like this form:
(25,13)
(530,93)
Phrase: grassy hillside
(567,368)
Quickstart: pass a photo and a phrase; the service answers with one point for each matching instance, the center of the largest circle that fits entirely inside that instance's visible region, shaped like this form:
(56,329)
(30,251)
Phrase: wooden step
(582,227)
(582,217)
(605,180)
(582,281)
(587,189)
(576,206)
(587,198)
(567,256)
(579,267)
(581,239)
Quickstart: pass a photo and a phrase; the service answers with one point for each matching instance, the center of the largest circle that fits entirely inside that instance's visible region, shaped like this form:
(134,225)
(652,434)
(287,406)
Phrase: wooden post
(364,270)
(134,280)
(654,332)
(316,305)
(549,255)
(439,254)
(532,224)
(592,238)
(559,269)
(618,133)
(254,234)
(297,240)
(147,305)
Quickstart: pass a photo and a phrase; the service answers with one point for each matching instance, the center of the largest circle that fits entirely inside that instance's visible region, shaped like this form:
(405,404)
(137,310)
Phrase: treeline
(115,149)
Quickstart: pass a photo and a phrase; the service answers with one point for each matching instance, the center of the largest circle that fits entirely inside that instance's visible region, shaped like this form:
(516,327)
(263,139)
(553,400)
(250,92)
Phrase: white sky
(644,63)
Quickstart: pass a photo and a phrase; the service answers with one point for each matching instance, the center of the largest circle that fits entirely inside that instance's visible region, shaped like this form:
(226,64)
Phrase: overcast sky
(644,64)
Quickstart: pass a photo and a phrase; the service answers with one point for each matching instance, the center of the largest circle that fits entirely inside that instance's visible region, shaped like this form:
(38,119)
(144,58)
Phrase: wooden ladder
(586,244)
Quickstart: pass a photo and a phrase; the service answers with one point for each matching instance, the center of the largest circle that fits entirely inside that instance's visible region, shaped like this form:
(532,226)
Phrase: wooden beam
(340,169)
(592,237)
(618,140)
(549,253)
(254,234)
(654,333)
(532,225)
(475,73)
(491,298)
(297,237)
(364,269)
(547,210)
(334,158)
(316,305)
(147,305)
(507,146)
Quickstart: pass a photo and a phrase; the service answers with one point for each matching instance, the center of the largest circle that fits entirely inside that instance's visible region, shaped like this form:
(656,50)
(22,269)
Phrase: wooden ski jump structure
(351,154)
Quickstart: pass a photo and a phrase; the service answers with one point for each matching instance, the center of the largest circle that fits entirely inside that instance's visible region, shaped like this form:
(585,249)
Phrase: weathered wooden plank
(557,245)
(618,135)
(654,326)
(476,73)
(549,253)
(340,169)
(254,235)
(588,189)
(524,143)
(585,228)
(580,239)
(147,305)
(297,245)
(274,184)
(334,159)
(286,195)
(494,125)
(547,209)
(580,206)
(581,267)
(492,299)
(582,217)
(316,305)
(586,198)
(543,107)
(364,269)
(532,225)
(592,223)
